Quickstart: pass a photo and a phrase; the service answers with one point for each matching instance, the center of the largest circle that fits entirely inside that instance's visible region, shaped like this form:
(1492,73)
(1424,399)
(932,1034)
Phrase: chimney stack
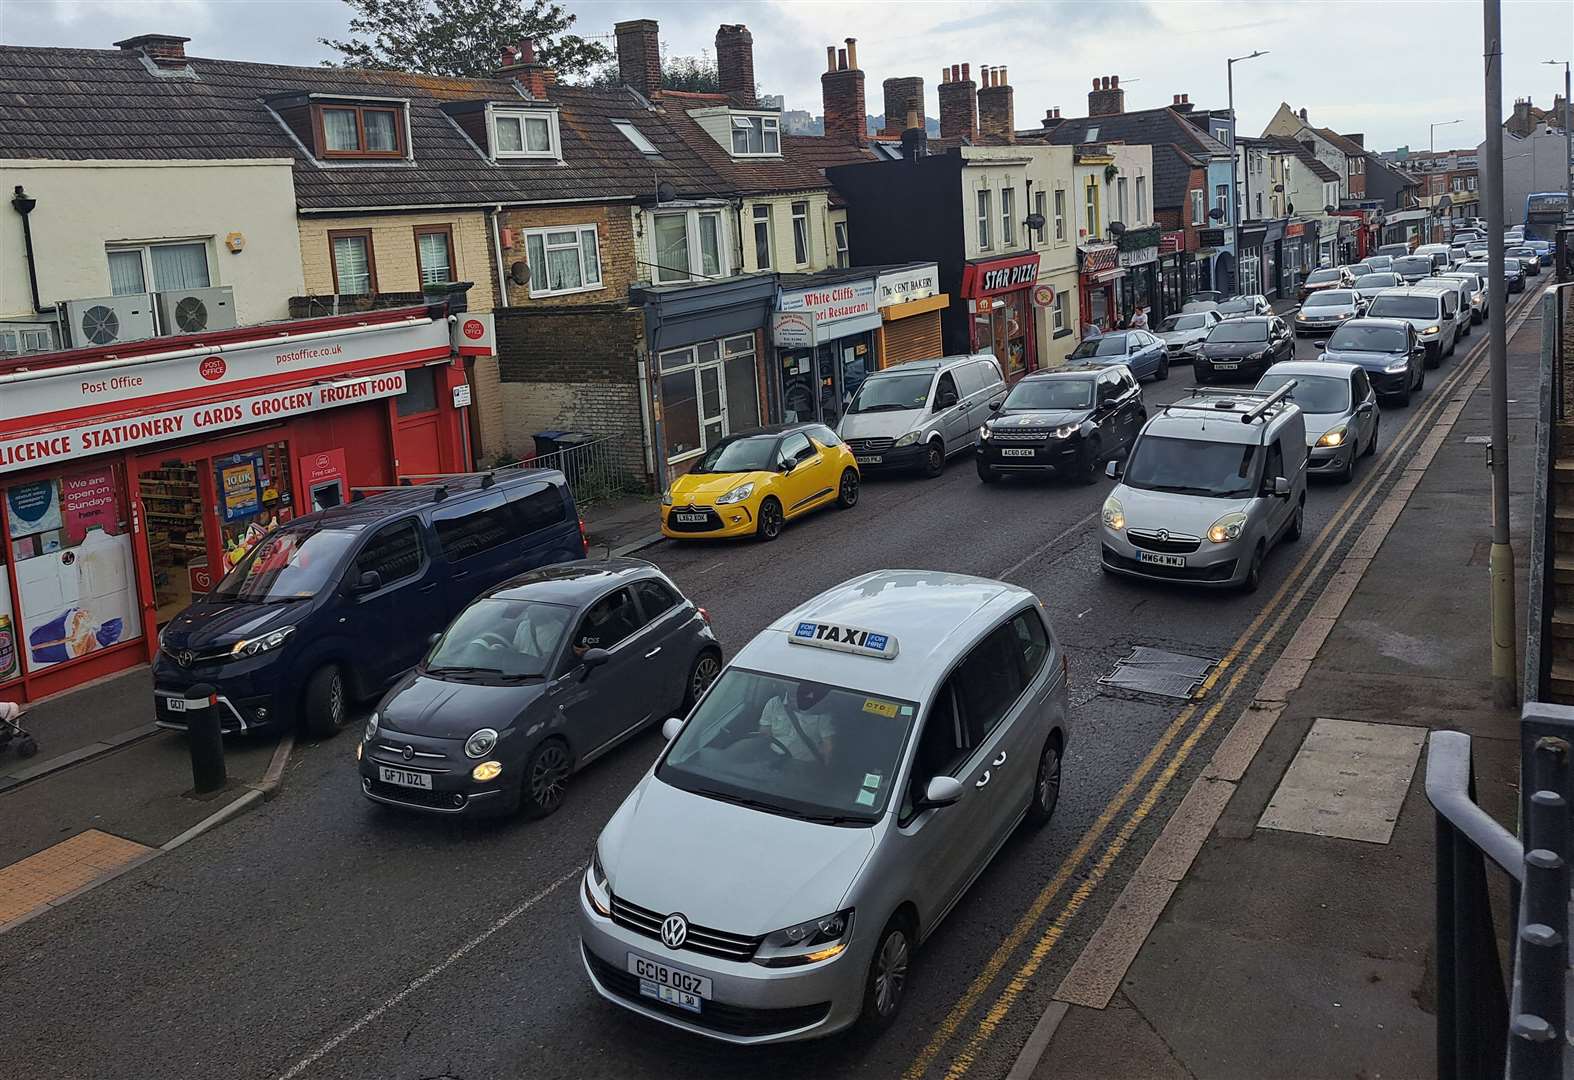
(959,105)
(1303,114)
(1106,98)
(639,55)
(996,110)
(842,89)
(1182,103)
(1052,118)
(165,50)
(915,137)
(735,62)
(519,62)
(901,97)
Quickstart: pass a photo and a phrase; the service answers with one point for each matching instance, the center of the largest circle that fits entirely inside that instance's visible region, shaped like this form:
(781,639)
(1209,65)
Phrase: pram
(11,728)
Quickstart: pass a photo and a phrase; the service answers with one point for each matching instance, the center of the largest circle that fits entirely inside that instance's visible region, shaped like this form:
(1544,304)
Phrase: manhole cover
(1155,671)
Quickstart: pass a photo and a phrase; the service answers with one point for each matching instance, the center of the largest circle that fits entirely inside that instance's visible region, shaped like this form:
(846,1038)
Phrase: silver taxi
(825,805)
(1212,484)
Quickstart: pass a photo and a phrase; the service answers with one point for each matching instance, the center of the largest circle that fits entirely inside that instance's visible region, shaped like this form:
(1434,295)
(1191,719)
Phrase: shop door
(798,386)
(417,442)
(713,409)
(177,532)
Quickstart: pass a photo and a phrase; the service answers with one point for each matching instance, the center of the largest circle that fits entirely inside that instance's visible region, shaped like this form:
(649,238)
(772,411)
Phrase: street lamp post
(1235,210)
(1568,137)
(1431,149)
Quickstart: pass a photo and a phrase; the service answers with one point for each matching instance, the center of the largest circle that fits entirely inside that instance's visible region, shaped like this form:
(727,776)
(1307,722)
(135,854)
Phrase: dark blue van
(332,607)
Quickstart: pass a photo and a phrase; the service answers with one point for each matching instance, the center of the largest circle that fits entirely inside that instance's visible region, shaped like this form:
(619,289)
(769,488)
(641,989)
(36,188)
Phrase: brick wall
(393,251)
(1196,180)
(614,239)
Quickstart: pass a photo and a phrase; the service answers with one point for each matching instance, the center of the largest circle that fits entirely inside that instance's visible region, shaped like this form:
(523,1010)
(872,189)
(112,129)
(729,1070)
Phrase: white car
(1182,333)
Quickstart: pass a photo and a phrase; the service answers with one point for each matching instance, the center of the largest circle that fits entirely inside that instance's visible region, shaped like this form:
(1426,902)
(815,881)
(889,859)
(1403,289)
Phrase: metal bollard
(1537,1028)
(205,738)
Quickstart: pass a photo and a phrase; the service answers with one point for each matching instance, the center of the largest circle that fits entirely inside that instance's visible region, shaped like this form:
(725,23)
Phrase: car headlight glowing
(736,495)
(1393,367)
(983,433)
(271,640)
(1227,528)
(371,727)
(807,943)
(597,888)
(907,440)
(487,770)
(1430,331)
(480,743)
(1065,431)
(1114,514)
(1332,437)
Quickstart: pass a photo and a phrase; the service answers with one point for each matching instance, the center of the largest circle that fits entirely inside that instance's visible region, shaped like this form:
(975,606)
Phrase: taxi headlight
(597,889)
(1430,331)
(480,743)
(262,644)
(371,728)
(487,770)
(906,440)
(808,942)
(1227,528)
(1332,437)
(1114,514)
(736,495)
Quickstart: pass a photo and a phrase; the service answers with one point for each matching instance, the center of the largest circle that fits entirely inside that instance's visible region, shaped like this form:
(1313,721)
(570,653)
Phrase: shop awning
(1104,277)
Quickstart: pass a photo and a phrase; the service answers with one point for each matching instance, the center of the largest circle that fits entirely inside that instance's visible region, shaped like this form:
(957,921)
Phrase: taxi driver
(793,721)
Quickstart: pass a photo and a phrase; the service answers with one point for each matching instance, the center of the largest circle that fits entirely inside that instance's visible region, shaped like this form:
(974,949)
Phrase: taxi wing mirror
(671,727)
(942,791)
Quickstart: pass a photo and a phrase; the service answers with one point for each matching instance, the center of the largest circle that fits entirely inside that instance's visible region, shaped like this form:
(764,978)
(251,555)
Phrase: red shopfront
(999,298)
(132,478)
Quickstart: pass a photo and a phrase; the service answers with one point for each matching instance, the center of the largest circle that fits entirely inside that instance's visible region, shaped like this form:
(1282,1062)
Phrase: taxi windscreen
(792,747)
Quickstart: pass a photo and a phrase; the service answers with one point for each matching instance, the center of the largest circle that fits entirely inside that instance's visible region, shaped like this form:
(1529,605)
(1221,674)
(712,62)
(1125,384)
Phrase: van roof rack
(1212,399)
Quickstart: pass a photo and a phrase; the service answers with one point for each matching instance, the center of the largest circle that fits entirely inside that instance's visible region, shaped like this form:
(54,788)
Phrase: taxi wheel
(1046,785)
(546,778)
(847,493)
(886,984)
(769,526)
(325,702)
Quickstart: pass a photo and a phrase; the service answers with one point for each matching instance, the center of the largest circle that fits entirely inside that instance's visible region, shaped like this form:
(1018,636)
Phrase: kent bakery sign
(986,277)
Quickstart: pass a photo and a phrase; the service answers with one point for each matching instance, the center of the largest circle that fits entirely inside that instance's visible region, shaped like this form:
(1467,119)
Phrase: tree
(690,74)
(461,37)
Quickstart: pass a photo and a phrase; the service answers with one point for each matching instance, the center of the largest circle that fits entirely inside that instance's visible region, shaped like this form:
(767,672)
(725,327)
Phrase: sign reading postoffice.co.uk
(97,436)
(49,399)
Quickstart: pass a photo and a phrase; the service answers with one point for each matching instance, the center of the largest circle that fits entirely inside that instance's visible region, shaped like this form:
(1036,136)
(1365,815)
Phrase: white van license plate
(868,459)
(1016,453)
(1158,559)
(690,519)
(669,984)
(404,778)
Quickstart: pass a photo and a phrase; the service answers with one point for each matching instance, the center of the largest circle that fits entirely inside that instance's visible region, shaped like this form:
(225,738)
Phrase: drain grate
(1155,671)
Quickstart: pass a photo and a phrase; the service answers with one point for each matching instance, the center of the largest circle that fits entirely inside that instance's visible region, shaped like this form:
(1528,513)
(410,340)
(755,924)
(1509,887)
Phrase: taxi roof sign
(849,639)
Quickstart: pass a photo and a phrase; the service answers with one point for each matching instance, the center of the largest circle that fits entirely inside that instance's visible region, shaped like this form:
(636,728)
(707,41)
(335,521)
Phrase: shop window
(800,232)
(70,551)
(393,554)
(254,496)
(708,391)
(350,256)
(434,252)
(167,266)
(563,260)
(420,393)
(474,530)
(688,246)
(762,236)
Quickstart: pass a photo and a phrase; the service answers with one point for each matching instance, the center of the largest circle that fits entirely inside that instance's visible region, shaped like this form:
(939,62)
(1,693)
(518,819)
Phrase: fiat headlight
(371,728)
(480,743)
(1114,514)
(1227,528)
(1332,437)
(906,440)
(808,942)
(736,495)
(253,646)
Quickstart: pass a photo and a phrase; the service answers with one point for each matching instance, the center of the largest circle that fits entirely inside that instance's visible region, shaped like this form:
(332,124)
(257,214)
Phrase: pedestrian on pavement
(1139,321)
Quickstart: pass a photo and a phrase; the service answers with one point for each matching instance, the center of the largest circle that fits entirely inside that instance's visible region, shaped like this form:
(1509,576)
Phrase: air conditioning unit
(109,320)
(191,311)
(22,338)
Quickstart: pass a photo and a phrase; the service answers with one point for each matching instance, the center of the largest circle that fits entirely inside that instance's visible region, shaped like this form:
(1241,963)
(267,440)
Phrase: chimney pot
(1095,83)
(1114,82)
(852,53)
(639,55)
(830,58)
(945,75)
(966,74)
(841,59)
(1003,81)
(985,73)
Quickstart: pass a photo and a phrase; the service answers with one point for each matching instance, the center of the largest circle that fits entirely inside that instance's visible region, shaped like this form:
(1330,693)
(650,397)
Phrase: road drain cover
(1155,671)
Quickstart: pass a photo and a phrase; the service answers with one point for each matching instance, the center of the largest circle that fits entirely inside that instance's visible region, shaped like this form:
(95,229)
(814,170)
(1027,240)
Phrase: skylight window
(632,134)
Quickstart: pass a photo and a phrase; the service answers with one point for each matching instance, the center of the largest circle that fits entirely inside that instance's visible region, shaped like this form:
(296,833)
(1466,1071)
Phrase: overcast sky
(1386,68)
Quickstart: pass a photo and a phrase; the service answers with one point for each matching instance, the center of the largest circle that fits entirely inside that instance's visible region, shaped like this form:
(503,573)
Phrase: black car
(1243,348)
(1063,422)
(531,682)
(1389,351)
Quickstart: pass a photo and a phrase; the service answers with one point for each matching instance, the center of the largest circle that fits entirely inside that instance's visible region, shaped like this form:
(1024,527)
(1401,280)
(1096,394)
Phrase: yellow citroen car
(753,483)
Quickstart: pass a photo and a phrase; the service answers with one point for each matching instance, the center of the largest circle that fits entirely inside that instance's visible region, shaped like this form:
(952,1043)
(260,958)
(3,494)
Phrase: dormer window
(519,134)
(359,131)
(756,136)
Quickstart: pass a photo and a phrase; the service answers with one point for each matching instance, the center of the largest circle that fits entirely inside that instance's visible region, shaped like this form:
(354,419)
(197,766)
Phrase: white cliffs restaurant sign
(53,414)
(806,317)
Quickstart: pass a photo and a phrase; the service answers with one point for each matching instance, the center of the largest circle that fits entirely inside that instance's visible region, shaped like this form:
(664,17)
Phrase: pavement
(348,940)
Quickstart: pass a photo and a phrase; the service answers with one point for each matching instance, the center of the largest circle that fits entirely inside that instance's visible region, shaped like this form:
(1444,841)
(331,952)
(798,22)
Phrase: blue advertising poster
(240,485)
(34,508)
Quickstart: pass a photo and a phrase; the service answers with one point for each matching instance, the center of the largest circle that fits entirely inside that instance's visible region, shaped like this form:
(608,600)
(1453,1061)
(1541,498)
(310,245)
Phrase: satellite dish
(1216,214)
(519,272)
(665,192)
(1034,221)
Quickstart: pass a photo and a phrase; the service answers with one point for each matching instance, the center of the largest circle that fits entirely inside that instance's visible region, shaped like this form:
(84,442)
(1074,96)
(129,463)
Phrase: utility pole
(1504,659)
(1235,183)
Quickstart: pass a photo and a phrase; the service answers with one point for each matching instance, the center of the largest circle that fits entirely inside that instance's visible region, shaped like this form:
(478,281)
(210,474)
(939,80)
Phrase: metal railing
(603,468)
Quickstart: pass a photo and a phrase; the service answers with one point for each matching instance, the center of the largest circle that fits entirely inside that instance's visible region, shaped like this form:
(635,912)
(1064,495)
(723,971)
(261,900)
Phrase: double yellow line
(1237,663)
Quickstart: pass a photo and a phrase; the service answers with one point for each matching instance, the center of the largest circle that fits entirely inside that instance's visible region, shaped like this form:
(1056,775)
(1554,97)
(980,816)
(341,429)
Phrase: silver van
(1433,313)
(1462,296)
(823,808)
(918,414)
(1213,483)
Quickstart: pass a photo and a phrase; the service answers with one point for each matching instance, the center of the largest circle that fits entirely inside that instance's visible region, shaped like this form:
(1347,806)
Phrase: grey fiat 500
(828,802)
(535,679)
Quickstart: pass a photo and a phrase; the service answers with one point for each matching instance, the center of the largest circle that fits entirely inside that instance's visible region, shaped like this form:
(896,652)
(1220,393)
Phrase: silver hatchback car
(825,805)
